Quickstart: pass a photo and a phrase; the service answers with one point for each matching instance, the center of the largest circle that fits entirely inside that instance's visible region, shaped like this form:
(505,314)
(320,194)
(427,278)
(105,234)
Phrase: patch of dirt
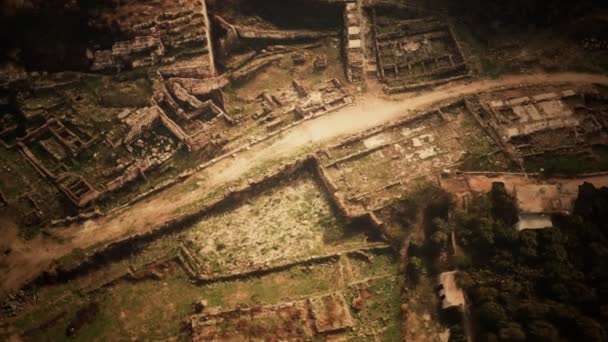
(361,301)
(85,315)
(420,320)
(9,232)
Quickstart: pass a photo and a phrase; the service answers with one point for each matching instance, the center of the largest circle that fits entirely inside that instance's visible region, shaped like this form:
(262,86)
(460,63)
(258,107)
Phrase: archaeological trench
(303,170)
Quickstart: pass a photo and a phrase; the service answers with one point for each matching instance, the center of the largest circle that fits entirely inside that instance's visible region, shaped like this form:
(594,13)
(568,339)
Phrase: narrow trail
(28,259)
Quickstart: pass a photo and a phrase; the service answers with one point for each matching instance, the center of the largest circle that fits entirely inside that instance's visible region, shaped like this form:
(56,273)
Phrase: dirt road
(28,259)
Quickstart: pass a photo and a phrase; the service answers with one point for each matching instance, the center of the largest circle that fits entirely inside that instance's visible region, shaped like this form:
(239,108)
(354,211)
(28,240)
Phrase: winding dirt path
(28,259)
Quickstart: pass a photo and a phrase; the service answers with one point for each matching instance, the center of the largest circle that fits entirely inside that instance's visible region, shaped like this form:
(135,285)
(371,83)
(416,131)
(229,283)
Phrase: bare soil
(533,194)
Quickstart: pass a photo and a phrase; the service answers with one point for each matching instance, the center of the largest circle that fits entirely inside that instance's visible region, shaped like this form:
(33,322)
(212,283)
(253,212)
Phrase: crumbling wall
(353,49)
(255,33)
(184,28)
(141,51)
(417,53)
(114,249)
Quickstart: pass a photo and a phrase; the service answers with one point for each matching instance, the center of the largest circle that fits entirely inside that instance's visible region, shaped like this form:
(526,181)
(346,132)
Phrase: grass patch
(491,68)
(134,93)
(189,187)
(568,163)
(488,162)
(381,314)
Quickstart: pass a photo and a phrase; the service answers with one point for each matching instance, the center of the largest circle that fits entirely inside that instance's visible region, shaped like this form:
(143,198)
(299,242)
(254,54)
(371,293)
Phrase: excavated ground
(295,212)
(229,170)
(30,258)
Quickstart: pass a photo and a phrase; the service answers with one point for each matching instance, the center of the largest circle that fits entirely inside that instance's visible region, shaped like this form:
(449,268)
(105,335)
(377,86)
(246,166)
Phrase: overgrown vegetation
(519,14)
(569,164)
(545,285)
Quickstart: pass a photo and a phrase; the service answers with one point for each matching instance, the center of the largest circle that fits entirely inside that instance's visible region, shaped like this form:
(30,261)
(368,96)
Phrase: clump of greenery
(414,269)
(436,226)
(545,285)
(569,164)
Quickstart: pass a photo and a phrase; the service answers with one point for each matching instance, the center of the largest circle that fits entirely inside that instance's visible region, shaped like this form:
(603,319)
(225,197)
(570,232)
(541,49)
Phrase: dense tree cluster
(53,35)
(517,13)
(436,230)
(545,285)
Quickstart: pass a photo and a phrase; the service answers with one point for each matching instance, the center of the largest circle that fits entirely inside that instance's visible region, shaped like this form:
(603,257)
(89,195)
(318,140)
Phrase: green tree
(484,294)
(512,332)
(542,331)
(488,337)
(503,205)
(590,330)
(462,261)
(457,334)
(477,233)
(415,248)
(441,225)
(406,211)
(414,269)
(438,242)
(464,280)
(531,310)
(528,245)
(491,315)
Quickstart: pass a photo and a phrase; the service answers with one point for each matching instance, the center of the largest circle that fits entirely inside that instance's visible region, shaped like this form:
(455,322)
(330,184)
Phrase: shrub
(512,332)
(491,315)
(414,269)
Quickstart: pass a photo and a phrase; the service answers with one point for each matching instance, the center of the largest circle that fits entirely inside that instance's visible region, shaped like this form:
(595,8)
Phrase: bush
(491,315)
(441,225)
(531,310)
(488,337)
(457,334)
(503,205)
(512,332)
(589,330)
(553,284)
(414,269)
(484,294)
(405,212)
(464,280)
(462,261)
(438,242)
(542,331)
(438,208)
(415,248)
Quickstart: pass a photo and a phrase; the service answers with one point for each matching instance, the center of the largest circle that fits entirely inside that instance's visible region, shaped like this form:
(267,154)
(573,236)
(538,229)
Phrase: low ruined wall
(427,84)
(116,250)
(246,32)
(330,189)
(349,214)
(493,174)
(406,120)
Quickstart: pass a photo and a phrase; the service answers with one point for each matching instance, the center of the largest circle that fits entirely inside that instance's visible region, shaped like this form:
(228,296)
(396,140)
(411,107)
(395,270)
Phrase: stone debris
(320,62)
(246,32)
(15,303)
(531,124)
(168,31)
(298,58)
(316,316)
(328,96)
(594,44)
(352,40)
(139,52)
(386,161)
